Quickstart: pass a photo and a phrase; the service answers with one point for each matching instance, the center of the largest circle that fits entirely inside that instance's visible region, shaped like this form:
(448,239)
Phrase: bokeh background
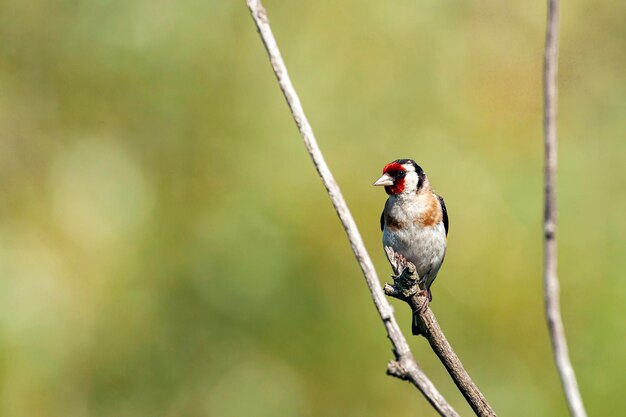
(166,248)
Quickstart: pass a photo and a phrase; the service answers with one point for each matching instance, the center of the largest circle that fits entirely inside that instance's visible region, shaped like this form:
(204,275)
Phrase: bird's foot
(419,304)
(405,278)
(424,297)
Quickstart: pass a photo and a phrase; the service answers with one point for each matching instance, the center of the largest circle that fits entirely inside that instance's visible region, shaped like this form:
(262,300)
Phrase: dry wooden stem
(550,278)
(406,288)
(405,366)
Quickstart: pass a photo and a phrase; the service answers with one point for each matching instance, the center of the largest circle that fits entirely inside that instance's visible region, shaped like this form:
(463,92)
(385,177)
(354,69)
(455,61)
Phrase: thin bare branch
(405,366)
(550,278)
(406,288)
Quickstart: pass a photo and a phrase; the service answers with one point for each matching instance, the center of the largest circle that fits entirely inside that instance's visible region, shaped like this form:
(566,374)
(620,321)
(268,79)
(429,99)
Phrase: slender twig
(406,288)
(550,278)
(405,366)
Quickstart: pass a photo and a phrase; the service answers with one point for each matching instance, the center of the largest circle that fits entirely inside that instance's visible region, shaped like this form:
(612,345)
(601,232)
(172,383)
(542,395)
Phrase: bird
(414,221)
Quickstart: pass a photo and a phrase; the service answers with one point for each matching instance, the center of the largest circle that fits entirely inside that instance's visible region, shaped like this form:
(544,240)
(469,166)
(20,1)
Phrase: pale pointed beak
(385,180)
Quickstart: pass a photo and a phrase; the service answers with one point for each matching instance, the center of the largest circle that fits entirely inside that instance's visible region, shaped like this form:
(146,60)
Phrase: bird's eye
(401,174)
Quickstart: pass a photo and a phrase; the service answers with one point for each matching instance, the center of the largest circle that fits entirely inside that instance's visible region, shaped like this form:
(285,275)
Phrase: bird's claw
(425,296)
(406,280)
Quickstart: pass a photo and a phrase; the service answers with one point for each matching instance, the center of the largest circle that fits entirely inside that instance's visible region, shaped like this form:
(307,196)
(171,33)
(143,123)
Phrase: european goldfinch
(414,221)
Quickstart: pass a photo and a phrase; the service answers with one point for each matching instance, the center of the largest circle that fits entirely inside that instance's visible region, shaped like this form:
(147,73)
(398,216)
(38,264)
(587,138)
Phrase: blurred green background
(166,248)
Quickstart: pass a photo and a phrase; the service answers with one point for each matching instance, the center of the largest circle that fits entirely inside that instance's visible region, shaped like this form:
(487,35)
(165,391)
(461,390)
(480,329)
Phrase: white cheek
(410,181)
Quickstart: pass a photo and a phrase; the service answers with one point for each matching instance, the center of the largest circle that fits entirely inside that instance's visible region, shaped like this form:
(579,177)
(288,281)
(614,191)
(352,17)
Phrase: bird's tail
(415,328)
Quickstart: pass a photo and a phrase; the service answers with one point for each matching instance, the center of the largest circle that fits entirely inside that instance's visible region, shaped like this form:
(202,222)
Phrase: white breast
(425,246)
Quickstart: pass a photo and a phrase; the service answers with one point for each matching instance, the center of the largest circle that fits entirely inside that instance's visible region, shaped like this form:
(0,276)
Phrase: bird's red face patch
(397,172)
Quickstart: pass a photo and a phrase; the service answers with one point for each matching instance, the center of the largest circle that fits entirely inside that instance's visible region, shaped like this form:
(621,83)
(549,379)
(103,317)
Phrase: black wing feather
(382,217)
(445,213)
(382,221)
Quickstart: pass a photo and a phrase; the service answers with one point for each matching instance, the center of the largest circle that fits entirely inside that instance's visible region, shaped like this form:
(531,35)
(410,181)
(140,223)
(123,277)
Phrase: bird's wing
(445,213)
(382,216)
